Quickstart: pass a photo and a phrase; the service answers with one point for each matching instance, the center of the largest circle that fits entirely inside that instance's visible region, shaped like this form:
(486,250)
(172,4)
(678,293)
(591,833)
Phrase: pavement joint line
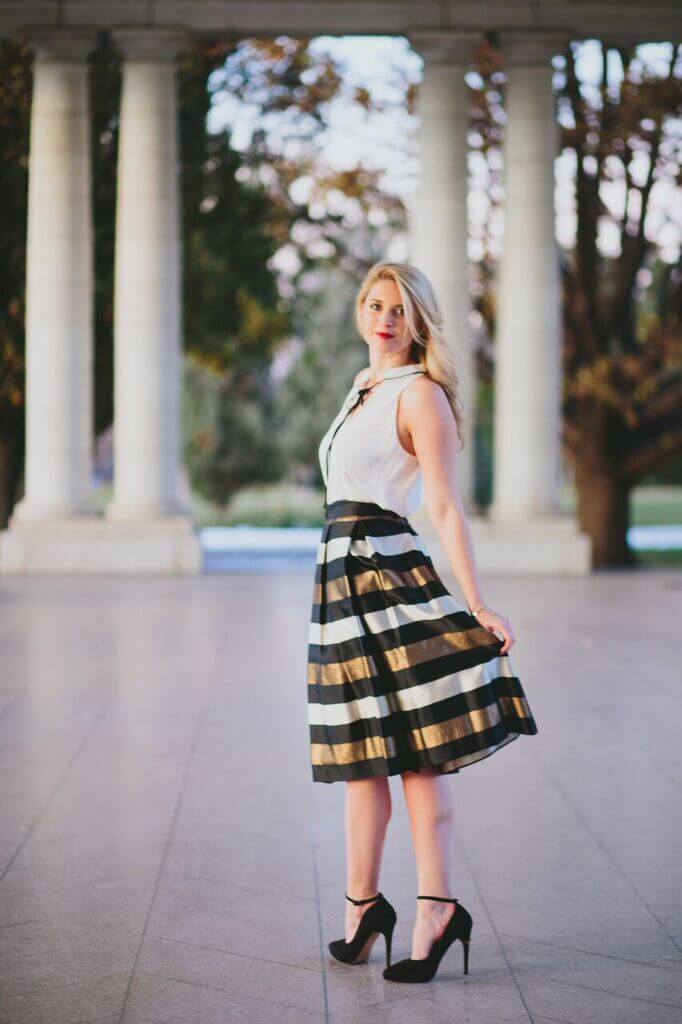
(554,1020)
(222,991)
(597,988)
(230,952)
(592,952)
(67,768)
(604,848)
(202,714)
(323,965)
(474,879)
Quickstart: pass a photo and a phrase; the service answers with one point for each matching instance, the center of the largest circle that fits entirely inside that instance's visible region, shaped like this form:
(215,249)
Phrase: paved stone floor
(165,855)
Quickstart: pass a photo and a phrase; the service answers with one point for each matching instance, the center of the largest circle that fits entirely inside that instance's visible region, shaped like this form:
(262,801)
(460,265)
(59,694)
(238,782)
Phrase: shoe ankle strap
(370,899)
(441,899)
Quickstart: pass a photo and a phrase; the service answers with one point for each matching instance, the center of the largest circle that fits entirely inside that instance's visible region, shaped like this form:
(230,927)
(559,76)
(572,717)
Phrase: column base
(92,545)
(547,545)
(30,512)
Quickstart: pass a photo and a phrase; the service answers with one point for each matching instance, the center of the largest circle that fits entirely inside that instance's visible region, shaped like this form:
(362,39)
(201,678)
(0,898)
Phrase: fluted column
(528,343)
(59,283)
(147,311)
(438,217)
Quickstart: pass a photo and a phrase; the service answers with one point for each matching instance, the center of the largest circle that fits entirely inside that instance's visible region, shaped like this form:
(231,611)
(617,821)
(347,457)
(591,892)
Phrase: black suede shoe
(458,927)
(379,919)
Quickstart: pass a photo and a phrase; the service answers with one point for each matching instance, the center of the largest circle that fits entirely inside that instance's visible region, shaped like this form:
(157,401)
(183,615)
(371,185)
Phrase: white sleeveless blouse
(366,459)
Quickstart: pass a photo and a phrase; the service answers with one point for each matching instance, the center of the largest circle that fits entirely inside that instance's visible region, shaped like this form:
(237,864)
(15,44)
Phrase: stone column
(528,344)
(438,218)
(59,283)
(147,362)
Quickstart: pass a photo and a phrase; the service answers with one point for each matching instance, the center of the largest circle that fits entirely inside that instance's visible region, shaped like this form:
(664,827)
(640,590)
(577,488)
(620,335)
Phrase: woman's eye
(374,305)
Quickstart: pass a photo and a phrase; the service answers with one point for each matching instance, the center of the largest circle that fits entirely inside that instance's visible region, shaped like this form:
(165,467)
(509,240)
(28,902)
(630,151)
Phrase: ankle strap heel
(378,919)
(458,927)
(441,899)
(358,903)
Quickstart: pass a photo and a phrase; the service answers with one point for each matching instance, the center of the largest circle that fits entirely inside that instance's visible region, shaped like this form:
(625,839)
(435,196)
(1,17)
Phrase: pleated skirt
(400,676)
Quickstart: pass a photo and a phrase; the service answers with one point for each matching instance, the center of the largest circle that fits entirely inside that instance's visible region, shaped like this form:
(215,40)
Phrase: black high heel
(379,919)
(458,927)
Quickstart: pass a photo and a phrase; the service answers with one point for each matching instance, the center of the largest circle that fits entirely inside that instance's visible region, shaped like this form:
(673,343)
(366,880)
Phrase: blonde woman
(401,679)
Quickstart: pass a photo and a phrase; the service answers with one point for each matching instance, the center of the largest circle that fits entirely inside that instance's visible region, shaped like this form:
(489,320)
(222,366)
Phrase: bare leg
(367,814)
(428,795)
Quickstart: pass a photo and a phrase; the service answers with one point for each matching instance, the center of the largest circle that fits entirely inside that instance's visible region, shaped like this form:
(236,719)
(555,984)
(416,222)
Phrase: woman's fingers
(509,638)
(502,629)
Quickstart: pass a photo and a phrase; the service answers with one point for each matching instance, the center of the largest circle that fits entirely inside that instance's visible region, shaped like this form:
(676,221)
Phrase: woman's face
(383,319)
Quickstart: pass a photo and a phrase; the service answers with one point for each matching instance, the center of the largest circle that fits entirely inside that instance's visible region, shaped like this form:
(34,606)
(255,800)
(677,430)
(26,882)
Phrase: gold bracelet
(478,610)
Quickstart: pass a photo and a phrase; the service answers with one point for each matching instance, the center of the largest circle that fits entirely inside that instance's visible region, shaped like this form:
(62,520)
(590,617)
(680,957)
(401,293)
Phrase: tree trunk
(604,510)
(10,470)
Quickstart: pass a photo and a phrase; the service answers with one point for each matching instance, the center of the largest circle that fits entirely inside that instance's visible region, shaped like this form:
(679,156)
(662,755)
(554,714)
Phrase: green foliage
(330,354)
(229,430)
(232,310)
(274,504)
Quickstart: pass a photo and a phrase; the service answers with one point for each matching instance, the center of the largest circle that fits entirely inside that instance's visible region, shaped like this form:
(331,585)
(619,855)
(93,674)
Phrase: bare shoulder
(425,397)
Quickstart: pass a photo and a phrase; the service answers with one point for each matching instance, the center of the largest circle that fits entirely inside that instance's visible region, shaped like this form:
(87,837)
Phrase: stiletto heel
(379,919)
(458,927)
(389,938)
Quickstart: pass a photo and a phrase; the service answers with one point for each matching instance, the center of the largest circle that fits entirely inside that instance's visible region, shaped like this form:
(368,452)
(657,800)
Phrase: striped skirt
(400,677)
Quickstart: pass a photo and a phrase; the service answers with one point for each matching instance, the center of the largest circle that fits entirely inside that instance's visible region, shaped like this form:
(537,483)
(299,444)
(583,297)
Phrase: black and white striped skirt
(400,677)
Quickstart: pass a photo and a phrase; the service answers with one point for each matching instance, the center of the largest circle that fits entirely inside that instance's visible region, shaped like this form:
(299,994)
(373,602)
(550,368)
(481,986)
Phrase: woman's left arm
(427,415)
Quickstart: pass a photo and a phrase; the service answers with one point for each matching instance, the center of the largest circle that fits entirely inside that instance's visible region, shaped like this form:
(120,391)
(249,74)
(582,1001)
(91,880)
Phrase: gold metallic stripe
(515,707)
(347,753)
(399,658)
(373,580)
(351,516)
(409,655)
(425,738)
(339,672)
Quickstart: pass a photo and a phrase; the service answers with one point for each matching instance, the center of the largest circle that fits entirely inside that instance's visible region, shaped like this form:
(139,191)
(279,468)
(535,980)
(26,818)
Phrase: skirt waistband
(346,509)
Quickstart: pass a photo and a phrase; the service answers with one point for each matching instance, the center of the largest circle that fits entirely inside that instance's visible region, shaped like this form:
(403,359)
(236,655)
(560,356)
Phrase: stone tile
(277,942)
(629,978)
(174,806)
(246,975)
(102,996)
(35,938)
(576,1004)
(618,935)
(171,1000)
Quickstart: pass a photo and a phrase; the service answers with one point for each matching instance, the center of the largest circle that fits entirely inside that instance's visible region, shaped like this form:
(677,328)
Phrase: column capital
(150,44)
(443,47)
(531,48)
(67,45)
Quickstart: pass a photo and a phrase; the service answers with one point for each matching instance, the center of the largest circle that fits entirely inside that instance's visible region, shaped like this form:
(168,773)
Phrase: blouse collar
(399,371)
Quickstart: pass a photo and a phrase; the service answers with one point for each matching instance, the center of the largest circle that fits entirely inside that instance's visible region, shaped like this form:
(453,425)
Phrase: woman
(401,679)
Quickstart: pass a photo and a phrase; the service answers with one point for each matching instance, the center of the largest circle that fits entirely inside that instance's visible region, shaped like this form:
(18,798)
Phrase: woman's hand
(499,625)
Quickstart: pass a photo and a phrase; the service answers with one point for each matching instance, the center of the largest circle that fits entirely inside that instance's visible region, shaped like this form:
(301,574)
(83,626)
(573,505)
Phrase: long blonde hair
(426,324)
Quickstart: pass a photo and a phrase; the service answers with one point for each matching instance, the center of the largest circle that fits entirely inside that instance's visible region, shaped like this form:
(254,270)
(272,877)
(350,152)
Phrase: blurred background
(299,160)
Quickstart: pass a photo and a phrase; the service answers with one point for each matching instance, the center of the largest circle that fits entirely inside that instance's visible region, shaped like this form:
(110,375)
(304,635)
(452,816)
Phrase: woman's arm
(427,416)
